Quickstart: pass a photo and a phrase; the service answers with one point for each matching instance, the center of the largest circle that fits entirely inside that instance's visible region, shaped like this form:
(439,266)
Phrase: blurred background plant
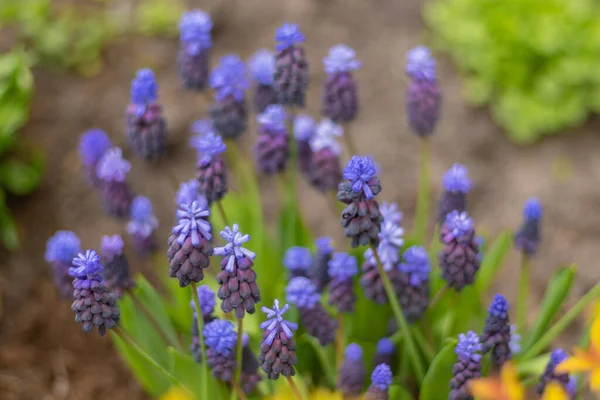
(534,62)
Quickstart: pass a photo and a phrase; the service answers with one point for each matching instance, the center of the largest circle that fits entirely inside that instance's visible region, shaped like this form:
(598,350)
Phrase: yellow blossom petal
(579,362)
(486,388)
(595,380)
(324,394)
(510,382)
(555,391)
(176,393)
(595,331)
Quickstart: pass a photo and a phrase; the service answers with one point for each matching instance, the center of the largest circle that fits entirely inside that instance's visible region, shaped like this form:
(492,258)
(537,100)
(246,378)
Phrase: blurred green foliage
(533,61)
(159,17)
(21,168)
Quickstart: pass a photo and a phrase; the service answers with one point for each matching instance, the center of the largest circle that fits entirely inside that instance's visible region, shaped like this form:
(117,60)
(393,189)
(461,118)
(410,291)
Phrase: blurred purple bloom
(195,31)
(189,192)
(302,293)
(420,64)
(456,179)
(111,246)
(304,127)
(287,35)
(390,212)
(459,223)
(262,66)
(220,336)
(297,259)
(112,166)
(468,347)
(206,296)
(381,378)
(273,118)
(341,58)
(229,78)
(93,145)
(143,222)
(62,247)
(325,137)
(343,266)
(416,265)
(208,145)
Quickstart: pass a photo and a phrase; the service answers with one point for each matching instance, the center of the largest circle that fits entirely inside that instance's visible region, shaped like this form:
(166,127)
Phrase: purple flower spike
(115,193)
(459,223)
(340,59)
(416,265)
(499,307)
(515,340)
(298,261)
(262,67)
(206,296)
(287,35)
(359,171)
(273,119)
(233,250)
(302,293)
(60,251)
(391,239)
(86,264)
(325,137)
(384,352)
(189,192)
(352,373)
(343,266)
(532,209)
(527,238)
(318,273)
(111,246)
(468,366)
(112,167)
(220,337)
(390,212)
(210,168)
(456,179)
(277,348)
(572,386)
(420,64)
(381,378)
(195,31)
(144,89)
(304,127)
(325,171)
(556,357)
(229,78)
(496,331)
(272,148)
(92,146)
(192,223)
(142,225)
(116,266)
(208,146)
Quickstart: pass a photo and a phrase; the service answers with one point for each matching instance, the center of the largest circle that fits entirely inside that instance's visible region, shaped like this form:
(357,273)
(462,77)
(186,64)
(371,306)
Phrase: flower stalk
(200,320)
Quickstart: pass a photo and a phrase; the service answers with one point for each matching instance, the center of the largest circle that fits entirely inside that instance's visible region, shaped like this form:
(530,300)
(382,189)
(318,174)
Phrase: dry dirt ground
(43,353)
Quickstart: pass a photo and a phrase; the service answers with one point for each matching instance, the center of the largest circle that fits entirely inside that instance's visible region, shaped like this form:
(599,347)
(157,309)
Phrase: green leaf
(189,373)
(424,195)
(492,261)
(435,385)
(533,367)
(556,293)
(18,177)
(398,392)
(9,236)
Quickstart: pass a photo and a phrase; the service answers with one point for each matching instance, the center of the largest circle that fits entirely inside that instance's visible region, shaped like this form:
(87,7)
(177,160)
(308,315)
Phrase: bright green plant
(159,17)
(534,62)
(21,168)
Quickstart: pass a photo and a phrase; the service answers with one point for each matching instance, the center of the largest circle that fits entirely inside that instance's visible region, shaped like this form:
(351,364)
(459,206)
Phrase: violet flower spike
(341,58)
(325,137)
(195,31)
(189,192)
(234,248)
(143,222)
(208,145)
(420,63)
(86,264)
(275,322)
(144,89)
(287,35)
(359,171)
(273,118)
(390,212)
(229,78)
(190,216)
(112,167)
(262,67)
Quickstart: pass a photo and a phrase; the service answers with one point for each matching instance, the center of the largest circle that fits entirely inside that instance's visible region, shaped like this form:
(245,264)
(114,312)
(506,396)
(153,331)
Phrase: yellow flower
(555,391)
(586,360)
(504,387)
(318,394)
(176,393)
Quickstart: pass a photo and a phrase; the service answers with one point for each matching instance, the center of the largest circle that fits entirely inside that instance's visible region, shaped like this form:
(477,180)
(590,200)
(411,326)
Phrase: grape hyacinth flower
(250,374)
(371,281)
(92,146)
(229,113)
(142,226)
(291,66)
(467,367)
(459,259)
(390,212)
(304,129)
(384,352)
(115,193)
(94,305)
(207,301)
(262,69)
(340,97)
(297,260)
(272,149)
(550,375)
(391,239)
(60,251)
(237,279)
(572,387)
(194,53)
(318,272)
(189,192)
(317,322)
(412,285)
(210,168)
(527,238)
(325,170)
(381,380)
(515,340)
(423,94)
(145,125)
(361,218)
(457,185)
(220,338)
(277,348)
(116,267)
(342,268)
(496,331)
(189,244)
(352,374)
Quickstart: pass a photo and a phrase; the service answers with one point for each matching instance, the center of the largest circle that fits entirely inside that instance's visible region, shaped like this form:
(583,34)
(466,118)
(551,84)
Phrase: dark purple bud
(496,332)
(210,168)
(116,267)
(467,367)
(352,374)
(193,58)
(262,69)
(423,95)
(550,375)
(92,146)
(291,66)
(371,281)
(112,172)
(527,238)
(342,268)
(250,367)
(304,129)
(318,272)
(220,338)
(277,348)
(272,147)
(456,185)
(325,171)
(142,226)
(60,251)
(340,98)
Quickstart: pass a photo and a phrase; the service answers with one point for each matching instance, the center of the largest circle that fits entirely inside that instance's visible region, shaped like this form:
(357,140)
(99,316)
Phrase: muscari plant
(282,314)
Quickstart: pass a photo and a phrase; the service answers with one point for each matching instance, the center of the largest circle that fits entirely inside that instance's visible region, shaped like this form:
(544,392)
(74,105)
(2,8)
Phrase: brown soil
(43,353)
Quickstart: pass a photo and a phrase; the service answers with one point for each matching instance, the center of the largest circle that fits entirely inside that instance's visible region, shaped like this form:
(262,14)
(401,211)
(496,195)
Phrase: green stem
(339,341)
(238,355)
(523,295)
(562,323)
(320,350)
(222,212)
(200,320)
(438,296)
(295,389)
(127,339)
(399,315)
(172,341)
(423,198)
(238,390)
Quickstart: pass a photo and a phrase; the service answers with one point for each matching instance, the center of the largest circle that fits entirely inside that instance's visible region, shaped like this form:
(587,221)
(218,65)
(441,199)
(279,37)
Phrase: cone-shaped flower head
(250,373)
(209,146)
(550,375)
(220,338)
(297,260)
(325,171)
(304,127)
(272,148)
(342,268)
(206,296)
(94,305)
(92,146)
(210,168)
(60,251)
(423,95)
(112,167)
(359,172)
(496,331)
(302,293)
(229,78)
(390,212)
(527,238)
(195,31)
(116,267)
(193,59)
(189,244)
(262,70)
(318,273)
(371,281)
(384,352)
(325,136)
(416,265)
(456,185)
(237,279)
(115,193)
(460,258)
(391,239)
(144,90)
(467,367)
(340,98)
(277,349)
(381,380)
(352,374)
(142,225)
(412,283)
(189,192)
(291,66)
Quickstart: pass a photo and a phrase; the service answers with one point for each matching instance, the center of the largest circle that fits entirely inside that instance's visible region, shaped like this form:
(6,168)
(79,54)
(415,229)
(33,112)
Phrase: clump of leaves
(20,168)
(159,17)
(533,61)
